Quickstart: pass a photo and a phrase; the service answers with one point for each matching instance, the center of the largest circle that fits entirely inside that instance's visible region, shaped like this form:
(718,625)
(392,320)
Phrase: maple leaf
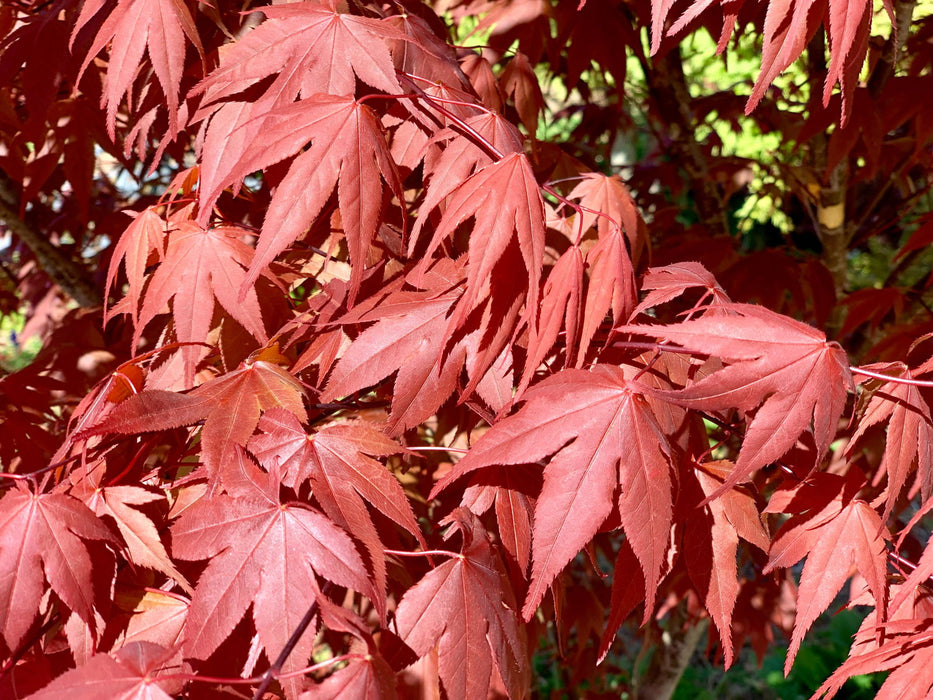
(607,204)
(909,432)
(348,150)
(143,544)
(448,167)
(142,238)
(519,80)
(200,265)
(628,590)
(131,673)
(506,204)
(367,678)
(611,287)
(132,27)
(466,607)
(600,434)
(311,49)
(230,407)
(405,339)
(669,282)
(710,554)
(265,553)
(789,25)
(835,539)
(514,508)
(848,25)
(153,616)
(786,368)
(42,532)
(560,307)
(335,459)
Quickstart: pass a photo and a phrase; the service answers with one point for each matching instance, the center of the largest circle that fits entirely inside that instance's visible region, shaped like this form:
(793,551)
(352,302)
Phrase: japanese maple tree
(400,349)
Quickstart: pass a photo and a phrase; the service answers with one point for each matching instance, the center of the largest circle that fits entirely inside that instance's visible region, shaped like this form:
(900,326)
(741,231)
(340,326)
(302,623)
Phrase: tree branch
(64,271)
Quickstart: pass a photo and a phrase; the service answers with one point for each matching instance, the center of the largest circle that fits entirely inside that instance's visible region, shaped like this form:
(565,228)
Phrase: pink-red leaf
(599,433)
(834,541)
(909,440)
(265,553)
(787,369)
(42,533)
(506,204)
(132,27)
(132,673)
(466,607)
(229,405)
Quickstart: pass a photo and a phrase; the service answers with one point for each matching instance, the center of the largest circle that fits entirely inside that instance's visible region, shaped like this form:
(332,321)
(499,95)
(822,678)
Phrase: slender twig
(424,448)
(273,672)
(27,644)
(889,378)
(423,553)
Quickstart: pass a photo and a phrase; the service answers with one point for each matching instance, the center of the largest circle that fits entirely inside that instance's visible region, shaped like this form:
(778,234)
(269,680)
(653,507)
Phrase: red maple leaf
(229,405)
(786,368)
(447,168)
(506,204)
(311,49)
(835,539)
(144,545)
(669,282)
(42,532)
(348,150)
(200,265)
(406,338)
(131,673)
(467,609)
(366,678)
(131,27)
(142,238)
(600,434)
(262,552)
(909,441)
(335,459)
(710,553)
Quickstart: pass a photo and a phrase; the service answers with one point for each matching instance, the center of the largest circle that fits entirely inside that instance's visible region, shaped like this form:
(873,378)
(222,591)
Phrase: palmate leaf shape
(789,25)
(506,204)
(144,546)
(335,459)
(348,151)
(131,673)
(141,239)
(600,434)
(671,281)
(199,266)
(262,552)
(710,554)
(366,678)
(446,168)
(467,609)
(310,48)
(909,432)
(560,308)
(159,26)
(407,338)
(786,368)
(42,532)
(229,405)
(845,534)
(609,196)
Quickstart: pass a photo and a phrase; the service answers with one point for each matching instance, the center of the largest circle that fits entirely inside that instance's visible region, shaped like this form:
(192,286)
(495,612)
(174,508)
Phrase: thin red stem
(420,448)
(423,553)
(889,378)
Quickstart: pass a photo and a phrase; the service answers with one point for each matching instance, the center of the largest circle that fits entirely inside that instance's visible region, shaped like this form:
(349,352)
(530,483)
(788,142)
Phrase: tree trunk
(669,656)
